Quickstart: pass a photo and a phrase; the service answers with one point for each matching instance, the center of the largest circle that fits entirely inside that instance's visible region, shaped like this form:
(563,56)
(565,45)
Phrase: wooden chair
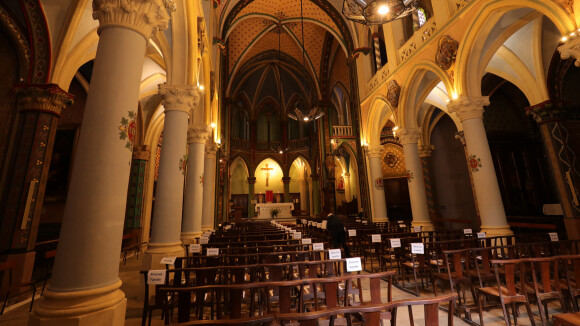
(418,268)
(546,284)
(506,290)
(11,285)
(457,274)
(571,267)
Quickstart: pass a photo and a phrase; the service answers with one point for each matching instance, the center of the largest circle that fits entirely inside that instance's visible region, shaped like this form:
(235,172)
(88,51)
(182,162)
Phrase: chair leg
(411,321)
(541,308)
(530,315)
(480,309)
(506,317)
(33,295)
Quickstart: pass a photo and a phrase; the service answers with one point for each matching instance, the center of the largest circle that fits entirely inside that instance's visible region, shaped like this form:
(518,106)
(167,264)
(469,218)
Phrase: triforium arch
(380,113)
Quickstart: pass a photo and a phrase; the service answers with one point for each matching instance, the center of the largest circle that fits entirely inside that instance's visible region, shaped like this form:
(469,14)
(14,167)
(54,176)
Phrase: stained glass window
(422,17)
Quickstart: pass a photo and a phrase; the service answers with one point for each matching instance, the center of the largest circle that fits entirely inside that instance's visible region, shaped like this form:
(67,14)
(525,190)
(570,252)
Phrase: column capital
(47,98)
(210,148)
(314,177)
(302,181)
(551,111)
(252,180)
(142,16)
(197,134)
(426,150)
(409,136)
(571,49)
(346,175)
(141,152)
(179,98)
(374,151)
(468,107)
(286,180)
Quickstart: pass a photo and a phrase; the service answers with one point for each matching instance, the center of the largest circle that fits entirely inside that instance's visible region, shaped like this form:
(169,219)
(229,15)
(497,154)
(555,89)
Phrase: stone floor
(129,274)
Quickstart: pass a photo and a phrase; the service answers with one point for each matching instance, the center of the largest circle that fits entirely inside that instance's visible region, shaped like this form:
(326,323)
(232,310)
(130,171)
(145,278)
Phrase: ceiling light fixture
(314,112)
(375,12)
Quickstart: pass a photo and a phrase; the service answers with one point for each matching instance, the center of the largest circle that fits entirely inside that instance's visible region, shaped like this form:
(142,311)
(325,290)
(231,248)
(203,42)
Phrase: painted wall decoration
(446,52)
(183,164)
(393,161)
(474,163)
(393,92)
(127,129)
(410,176)
(379,183)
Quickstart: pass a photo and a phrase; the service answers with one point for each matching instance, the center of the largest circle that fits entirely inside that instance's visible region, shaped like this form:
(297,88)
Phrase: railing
(378,78)
(342,131)
(299,143)
(460,4)
(416,41)
(238,143)
(267,145)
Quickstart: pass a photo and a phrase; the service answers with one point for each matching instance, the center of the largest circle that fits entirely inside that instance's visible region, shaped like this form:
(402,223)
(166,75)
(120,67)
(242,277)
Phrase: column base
(381,220)
(189,237)
(103,306)
(425,225)
(156,251)
(496,231)
(205,228)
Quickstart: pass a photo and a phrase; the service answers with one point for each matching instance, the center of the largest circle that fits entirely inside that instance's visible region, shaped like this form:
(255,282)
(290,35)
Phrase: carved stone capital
(346,175)
(551,111)
(141,152)
(303,181)
(47,98)
(197,134)
(374,151)
(286,180)
(571,49)
(426,150)
(252,180)
(179,98)
(142,16)
(468,107)
(409,136)
(210,148)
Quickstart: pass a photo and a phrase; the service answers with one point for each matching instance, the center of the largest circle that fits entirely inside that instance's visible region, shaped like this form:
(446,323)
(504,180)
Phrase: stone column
(303,195)
(84,289)
(39,108)
(347,190)
(208,211)
(315,194)
(377,191)
(310,198)
(193,199)
(409,139)
(469,110)
(251,207)
(425,156)
(286,181)
(178,101)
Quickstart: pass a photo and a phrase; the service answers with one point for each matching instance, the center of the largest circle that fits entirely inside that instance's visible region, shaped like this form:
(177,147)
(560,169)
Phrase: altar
(263,209)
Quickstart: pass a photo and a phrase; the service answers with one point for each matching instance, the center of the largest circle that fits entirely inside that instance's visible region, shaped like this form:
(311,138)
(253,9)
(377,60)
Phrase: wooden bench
(569,319)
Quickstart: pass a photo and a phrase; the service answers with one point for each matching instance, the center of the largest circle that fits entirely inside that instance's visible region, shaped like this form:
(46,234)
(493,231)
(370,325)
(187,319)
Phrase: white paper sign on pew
(553,236)
(306,241)
(324,224)
(297,235)
(365,222)
(203,240)
(353,264)
(418,248)
(156,276)
(395,243)
(168,260)
(318,246)
(213,251)
(194,248)
(376,238)
(334,254)
(481,235)
(467,231)
(417,228)
(358,221)
(352,233)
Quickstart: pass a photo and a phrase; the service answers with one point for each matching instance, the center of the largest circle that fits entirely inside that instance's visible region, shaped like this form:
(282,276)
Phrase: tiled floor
(130,276)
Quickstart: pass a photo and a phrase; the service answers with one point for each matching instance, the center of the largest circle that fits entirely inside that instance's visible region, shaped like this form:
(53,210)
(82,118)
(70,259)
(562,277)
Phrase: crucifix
(267,169)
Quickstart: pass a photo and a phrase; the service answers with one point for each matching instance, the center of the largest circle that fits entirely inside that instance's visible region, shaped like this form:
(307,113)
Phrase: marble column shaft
(409,139)
(470,113)
(286,181)
(85,283)
(251,207)
(377,190)
(303,195)
(315,194)
(178,101)
(193,200)
(209,194)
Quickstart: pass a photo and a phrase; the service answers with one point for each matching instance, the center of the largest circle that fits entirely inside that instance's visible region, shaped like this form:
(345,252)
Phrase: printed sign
(318,246)
(467,231)
(324,224)
(167,260)
(203,240)
(307,241)
(352,233)
(353,264)
(376,238)
(395,243)
(334,254)
(418,248)
(365,222)
(358,221)
(417,229)
(156,276)
(553,236)
(297,235)
(194,248)
(481,235)
(213,251)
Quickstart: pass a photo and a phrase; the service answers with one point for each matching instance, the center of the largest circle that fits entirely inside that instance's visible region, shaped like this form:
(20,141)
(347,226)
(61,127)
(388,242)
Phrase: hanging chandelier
(315,112)
(374,12)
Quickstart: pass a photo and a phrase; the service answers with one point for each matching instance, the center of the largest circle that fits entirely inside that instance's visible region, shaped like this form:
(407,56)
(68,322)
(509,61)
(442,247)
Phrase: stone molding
(141,152)
(409,136)
(571,49)
(198,134)
(426,150)
(375,151)
(180,98)
(142,16)
(48,98)
(468,107)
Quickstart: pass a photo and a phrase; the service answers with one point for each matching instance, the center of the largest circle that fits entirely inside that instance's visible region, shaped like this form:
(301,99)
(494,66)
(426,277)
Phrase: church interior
(145,136)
